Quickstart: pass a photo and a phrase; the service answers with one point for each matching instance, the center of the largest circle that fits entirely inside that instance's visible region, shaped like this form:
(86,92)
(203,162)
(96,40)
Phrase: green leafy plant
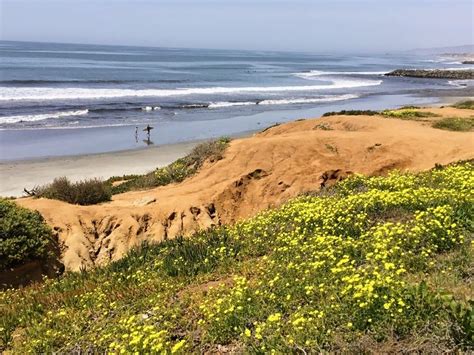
(352,113)
(408,114)
(24,236)
(468,104)
(458,124)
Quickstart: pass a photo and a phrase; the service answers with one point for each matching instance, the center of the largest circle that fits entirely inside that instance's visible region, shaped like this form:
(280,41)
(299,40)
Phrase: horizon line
(245,50)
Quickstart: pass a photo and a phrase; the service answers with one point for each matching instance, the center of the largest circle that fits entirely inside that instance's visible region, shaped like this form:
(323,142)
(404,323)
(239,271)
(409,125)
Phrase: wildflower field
(372,264)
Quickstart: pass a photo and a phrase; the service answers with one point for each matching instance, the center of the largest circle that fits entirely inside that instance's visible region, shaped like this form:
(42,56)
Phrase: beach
(17,175)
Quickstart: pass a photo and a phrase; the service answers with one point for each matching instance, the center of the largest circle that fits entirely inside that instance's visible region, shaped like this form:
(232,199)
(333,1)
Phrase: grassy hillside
(370,265)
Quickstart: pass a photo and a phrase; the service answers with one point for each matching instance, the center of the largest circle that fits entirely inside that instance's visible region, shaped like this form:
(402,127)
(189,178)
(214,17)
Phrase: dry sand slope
(256,173)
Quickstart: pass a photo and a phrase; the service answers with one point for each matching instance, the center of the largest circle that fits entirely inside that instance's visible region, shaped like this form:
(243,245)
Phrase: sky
(288,25)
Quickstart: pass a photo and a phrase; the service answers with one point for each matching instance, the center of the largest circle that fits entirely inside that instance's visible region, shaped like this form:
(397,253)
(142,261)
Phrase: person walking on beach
(136,134)
(148,129)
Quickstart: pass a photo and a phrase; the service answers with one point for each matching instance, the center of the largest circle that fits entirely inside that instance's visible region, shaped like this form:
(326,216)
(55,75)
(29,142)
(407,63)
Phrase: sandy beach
(28,173)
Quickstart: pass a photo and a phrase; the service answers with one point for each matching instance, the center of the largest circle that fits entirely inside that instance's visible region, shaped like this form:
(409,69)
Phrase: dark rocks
(434,73)
(468,62)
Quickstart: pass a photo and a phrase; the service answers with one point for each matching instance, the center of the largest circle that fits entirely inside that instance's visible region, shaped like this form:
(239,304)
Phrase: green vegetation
(468,104)
(86,192)
(410,107)
(459,124)
(409,113)
(352,113)
(405,113)
(372,264)
(24,236)
(176,171)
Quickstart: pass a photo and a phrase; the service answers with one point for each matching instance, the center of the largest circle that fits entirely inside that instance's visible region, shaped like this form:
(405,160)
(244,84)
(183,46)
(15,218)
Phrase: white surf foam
(41,117)
(48,94)
(230,104)
(317,73)
(459,83)
(466,67)
(150,108)
(308,100)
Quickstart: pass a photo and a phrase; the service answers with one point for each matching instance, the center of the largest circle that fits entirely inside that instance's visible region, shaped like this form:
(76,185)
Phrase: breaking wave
(48,94)
(315,74)
(308,100)
(41,117)
(459,83)
(230,104)
(31,82)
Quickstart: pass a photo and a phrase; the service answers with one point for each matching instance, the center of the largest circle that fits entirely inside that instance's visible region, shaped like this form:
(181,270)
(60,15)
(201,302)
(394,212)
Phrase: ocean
(69,99)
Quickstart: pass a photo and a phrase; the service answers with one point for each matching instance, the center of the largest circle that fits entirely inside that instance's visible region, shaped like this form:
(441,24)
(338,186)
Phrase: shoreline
(16,175)
(28,173)
(41,143)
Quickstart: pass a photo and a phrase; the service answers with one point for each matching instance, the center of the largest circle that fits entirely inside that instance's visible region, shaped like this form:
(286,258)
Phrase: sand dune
(256,173)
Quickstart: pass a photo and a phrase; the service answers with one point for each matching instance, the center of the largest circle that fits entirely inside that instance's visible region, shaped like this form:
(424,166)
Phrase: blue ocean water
(185,93)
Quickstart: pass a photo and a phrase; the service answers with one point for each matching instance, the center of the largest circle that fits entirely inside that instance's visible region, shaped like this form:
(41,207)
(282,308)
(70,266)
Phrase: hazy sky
(306,25)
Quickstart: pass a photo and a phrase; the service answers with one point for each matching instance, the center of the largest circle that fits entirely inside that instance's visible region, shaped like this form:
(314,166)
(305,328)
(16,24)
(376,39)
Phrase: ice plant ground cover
(374,263)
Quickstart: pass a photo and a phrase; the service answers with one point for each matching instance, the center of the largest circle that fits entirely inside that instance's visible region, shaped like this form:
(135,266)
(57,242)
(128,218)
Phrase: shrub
(407,114)
(468,104)
(133,182)
(24,236)
(458,124)
(176,171)
(86,192)
(352,113)
(410,107)
(212,150)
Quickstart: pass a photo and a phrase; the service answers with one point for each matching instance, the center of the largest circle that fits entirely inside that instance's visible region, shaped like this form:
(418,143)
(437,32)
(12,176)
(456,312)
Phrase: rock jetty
(434,73)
